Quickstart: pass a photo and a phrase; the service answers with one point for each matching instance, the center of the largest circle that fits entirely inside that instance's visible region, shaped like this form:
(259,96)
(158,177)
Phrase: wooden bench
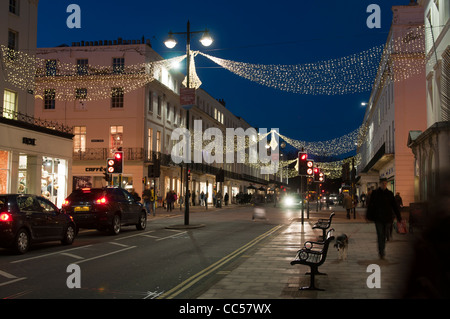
(313,254)
(323,224)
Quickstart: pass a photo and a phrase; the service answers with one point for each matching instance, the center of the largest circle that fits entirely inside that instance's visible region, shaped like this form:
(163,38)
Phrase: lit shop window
(4,172)
(53,179)
(116,138)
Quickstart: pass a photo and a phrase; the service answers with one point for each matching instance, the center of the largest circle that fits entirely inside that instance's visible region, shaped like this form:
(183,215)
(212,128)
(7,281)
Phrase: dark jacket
(382,206)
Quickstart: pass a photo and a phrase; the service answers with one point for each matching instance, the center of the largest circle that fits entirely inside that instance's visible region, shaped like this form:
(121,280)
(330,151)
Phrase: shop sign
(94,169)
(29,141)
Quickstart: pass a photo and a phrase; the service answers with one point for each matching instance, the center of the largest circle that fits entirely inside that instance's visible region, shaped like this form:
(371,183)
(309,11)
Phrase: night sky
(266,32)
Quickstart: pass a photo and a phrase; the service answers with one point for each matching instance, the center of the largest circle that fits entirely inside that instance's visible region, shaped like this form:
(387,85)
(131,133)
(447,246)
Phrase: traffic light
(321,177)
(316,174)
(118,162)
(189,174)
(154,170)
(302,159)
(110,166)
(310,168)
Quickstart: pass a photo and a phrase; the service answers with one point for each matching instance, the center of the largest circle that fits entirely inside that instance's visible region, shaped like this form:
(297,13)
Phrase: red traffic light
(303,156)
(118,155)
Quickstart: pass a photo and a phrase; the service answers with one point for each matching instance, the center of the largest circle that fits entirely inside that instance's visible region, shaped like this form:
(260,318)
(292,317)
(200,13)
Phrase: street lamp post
(206,40)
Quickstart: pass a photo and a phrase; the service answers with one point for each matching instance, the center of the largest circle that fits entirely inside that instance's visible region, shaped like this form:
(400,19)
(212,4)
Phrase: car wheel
(142,224)
(22,242)
(69,235)
(115,226)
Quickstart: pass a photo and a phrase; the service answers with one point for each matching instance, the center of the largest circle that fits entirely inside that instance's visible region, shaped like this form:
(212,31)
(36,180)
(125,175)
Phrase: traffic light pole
(188,60)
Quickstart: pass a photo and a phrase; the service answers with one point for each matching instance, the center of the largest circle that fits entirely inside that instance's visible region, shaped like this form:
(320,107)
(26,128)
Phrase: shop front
(35,160)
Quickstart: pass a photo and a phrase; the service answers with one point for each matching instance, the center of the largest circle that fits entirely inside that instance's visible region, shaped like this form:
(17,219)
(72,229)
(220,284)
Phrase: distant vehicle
(291,200)
(333,199)
(105,209)
(27,219)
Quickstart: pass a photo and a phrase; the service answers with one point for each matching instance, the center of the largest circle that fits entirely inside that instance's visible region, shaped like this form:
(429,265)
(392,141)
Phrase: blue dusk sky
(262,32)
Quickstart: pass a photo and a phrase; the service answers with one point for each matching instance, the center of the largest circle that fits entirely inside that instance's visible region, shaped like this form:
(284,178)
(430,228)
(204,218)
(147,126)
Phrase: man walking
(382,208)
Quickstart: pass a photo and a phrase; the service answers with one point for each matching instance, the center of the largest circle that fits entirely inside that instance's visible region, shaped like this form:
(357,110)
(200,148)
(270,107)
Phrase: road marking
(135,235)
(152,295)
(12,281)
(72,255)
(46,255)
(105,255)
(172,293)
(9,276)
(172,236)
(118,244)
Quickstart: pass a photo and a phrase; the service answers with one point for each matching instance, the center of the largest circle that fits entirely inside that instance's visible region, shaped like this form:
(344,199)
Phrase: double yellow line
(172,293)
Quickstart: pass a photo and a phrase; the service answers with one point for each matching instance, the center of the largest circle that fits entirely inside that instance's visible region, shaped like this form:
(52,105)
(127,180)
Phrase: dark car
(26,219)
(105,209)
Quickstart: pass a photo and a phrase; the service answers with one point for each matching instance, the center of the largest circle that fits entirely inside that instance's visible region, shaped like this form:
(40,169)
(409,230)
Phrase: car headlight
(289,201)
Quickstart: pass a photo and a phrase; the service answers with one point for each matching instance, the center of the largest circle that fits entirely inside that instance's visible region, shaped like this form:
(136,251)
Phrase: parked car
(27,219)
(105,209)
(291,200)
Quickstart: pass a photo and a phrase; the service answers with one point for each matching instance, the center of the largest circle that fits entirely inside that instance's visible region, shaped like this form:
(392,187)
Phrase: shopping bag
(401,227)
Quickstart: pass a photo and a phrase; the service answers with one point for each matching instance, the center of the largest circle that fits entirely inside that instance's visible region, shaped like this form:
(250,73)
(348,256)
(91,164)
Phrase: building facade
(395,107)
(35,154)
(118,96)
(431,145)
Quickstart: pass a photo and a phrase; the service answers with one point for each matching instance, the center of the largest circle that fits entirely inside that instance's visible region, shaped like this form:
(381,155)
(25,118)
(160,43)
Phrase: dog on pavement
(341,245)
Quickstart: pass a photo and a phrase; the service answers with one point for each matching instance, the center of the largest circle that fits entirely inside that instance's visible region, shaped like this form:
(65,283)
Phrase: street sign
(187,98)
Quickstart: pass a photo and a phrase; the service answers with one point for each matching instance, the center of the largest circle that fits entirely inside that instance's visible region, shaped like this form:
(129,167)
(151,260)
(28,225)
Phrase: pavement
(268,274)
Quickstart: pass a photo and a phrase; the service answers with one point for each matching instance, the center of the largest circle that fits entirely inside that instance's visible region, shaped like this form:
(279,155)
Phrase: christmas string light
(98,82)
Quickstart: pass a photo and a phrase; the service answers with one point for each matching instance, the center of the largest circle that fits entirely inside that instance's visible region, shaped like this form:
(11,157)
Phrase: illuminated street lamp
(170,43)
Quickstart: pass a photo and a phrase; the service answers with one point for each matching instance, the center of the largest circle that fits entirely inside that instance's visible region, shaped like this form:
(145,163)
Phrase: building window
(118,65)
(159,106)
(158,141)
(116,138)
(81,94)
(14,6)
(150,101)
(9,103)
(49,99)
(13,39)
(168,112)
(4,172)
(82,66)
(50,67)
(150,142)
(117,97)
(79,139)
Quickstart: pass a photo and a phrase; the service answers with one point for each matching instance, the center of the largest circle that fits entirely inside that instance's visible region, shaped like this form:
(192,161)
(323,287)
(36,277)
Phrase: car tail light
(65,202)
(101,200)
(5,217)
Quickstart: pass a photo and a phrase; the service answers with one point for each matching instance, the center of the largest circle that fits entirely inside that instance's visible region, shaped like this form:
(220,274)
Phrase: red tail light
(101,200)
(65,202)
(5,217)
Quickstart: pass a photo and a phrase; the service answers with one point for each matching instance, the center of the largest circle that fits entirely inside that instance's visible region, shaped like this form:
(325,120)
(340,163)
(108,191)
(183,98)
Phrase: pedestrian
(399,200)
(219,198)
(348,204)
(363,199)
(202,198)
(193,198)
(382,208)
(226,199)
(169,200)
(148,195)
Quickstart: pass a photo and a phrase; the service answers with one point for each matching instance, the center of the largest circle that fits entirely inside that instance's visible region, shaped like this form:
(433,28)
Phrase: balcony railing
(25,120)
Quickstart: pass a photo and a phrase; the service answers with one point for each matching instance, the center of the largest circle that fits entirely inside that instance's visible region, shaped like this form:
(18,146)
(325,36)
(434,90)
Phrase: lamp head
(170,42)
(206,39)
